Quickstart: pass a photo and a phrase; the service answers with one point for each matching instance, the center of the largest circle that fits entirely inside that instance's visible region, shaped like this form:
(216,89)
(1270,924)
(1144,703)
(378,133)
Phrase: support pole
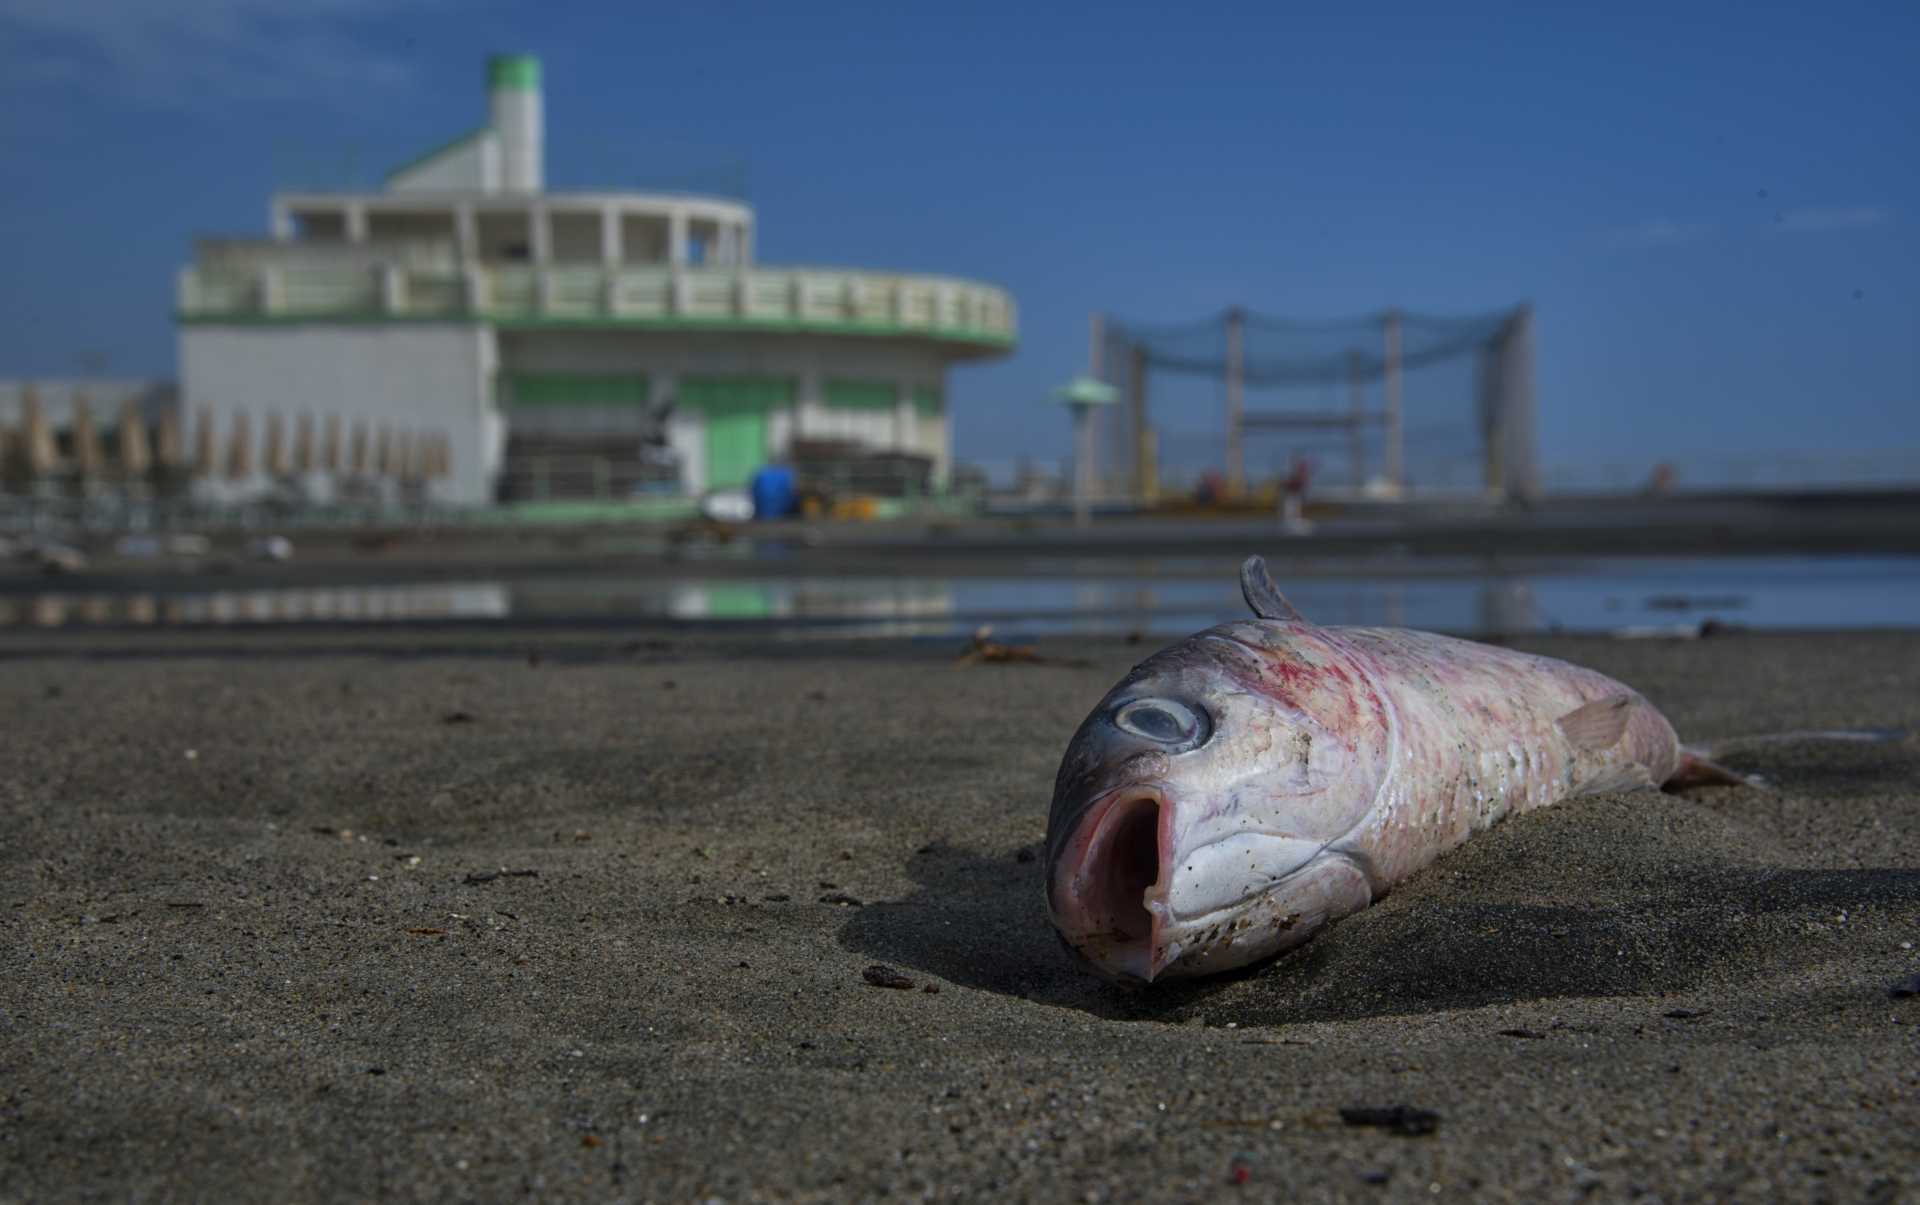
(1236,400)
(1084,451)
(613,252)
(1082,466)
(1518,451)
(1143,468)
(1390,388)
(1487,364)
(1357,434)
(1081,396)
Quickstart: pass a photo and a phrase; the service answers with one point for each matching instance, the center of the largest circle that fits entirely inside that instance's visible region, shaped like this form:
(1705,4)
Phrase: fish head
(1197,808)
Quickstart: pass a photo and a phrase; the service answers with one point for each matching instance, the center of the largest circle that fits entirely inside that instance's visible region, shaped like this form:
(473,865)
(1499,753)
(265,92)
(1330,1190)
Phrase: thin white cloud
(199,53)
(1821,219)
(1658,232)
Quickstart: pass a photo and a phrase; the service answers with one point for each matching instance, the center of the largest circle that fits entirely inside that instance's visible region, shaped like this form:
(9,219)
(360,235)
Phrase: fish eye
(1163,721)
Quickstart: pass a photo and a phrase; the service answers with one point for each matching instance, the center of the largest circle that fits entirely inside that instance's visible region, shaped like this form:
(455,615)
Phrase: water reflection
(377,604)
(1654,596)
(794,600)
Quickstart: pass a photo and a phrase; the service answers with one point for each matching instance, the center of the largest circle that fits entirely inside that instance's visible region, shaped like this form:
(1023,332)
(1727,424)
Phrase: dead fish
(1238,791)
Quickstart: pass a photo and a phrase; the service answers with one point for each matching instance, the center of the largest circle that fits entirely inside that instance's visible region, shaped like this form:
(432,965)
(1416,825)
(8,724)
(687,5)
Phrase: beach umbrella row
(34,438)
(363,449)
(32,447)
(331,445)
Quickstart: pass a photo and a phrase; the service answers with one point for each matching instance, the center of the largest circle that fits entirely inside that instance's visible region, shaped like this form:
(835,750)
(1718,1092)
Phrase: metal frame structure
(1502,344)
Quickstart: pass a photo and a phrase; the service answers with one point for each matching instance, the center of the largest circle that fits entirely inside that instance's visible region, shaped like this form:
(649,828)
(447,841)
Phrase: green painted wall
(928,400)
(862,395)
(575,389)
(736,410)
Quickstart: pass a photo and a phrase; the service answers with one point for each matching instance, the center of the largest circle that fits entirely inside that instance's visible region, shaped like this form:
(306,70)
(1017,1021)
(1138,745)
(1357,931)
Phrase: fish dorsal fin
(1263,597)
(1598,725)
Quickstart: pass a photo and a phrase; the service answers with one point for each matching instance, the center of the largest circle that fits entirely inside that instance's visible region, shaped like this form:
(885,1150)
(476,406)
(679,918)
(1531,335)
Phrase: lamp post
(1081,395)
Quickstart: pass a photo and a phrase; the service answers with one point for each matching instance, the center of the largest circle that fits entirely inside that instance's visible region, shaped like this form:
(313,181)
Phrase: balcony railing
(797,299)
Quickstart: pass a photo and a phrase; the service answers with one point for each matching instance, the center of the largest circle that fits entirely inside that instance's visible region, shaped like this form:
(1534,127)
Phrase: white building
(465,304)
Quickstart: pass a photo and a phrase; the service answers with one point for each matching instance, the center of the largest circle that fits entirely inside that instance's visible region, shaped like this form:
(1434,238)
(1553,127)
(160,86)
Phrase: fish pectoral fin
(1598,725)
(1263,597)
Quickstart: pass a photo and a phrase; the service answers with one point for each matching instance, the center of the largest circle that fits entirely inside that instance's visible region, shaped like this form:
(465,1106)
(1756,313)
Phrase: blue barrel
(774,495)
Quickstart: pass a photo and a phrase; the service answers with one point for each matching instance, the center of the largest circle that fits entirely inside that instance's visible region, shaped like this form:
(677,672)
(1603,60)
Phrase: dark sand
(249,948)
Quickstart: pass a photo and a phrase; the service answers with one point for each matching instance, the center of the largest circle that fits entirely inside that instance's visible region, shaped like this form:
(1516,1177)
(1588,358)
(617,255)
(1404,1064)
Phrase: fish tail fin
(1699,770)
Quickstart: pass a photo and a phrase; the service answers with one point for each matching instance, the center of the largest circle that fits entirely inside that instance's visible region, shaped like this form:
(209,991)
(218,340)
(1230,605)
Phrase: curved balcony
(976,319)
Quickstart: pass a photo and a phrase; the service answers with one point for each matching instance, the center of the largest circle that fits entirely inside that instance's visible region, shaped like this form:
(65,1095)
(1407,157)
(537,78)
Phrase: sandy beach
(477,916)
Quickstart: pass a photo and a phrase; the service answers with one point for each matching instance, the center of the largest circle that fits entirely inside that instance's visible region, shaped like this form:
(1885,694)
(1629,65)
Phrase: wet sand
(345,915)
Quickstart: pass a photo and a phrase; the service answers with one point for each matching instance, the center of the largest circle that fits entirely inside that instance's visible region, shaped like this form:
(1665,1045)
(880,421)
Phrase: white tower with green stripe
(537,334)
(513,85)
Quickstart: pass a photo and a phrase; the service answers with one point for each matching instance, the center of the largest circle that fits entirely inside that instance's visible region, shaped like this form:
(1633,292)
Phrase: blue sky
(1712,208)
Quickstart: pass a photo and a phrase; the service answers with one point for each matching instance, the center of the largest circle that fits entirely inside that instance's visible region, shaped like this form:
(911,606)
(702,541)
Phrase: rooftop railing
(808,300)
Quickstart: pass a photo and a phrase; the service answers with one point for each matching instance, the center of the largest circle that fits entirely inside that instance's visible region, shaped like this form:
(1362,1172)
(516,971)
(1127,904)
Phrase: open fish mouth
(1114,884)
(1109,882)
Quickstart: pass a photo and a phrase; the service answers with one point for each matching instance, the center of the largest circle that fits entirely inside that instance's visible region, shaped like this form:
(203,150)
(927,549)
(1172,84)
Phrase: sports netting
(1321,391)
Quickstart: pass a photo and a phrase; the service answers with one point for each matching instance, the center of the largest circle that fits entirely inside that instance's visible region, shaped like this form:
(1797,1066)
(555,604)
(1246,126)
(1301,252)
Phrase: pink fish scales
(1241,789)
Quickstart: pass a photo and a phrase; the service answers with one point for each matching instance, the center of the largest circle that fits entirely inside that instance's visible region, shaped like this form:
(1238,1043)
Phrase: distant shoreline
(1441,545)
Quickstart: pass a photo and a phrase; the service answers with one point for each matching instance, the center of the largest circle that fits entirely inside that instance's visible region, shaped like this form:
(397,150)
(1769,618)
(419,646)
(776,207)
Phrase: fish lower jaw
(1263,925)
(1128,956)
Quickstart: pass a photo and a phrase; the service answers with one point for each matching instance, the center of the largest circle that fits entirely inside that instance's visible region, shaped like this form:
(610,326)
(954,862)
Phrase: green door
(862,395)
(736,410)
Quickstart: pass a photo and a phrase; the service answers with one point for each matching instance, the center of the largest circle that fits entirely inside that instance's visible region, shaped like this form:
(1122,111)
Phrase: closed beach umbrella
(303,461)
(88,456)
(204,443)
(42,457)
(131,436)
(330,445)
(383,450)
(240,447)
(273,450)
(358,463)
(170,447)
